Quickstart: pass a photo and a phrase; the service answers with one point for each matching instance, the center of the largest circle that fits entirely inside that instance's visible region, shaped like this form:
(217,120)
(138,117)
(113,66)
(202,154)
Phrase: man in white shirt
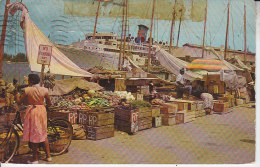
(182,85)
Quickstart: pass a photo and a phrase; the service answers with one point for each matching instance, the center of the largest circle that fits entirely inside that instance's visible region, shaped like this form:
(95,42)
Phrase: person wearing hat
(182,85)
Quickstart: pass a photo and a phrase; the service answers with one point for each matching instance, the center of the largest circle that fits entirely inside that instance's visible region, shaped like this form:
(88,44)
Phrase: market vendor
(182,85)
(207,98)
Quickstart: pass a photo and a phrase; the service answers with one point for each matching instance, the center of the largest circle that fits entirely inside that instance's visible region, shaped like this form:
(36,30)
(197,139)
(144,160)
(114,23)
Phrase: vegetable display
(139,104)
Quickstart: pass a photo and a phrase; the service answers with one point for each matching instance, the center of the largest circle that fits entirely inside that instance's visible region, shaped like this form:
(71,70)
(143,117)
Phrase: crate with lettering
(144,118)
(126,120)
(96,117)
(69,114)
(156,111)
(184,117)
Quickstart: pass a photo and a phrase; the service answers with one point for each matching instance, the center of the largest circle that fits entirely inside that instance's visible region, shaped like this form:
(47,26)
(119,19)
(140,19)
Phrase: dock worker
(182,85)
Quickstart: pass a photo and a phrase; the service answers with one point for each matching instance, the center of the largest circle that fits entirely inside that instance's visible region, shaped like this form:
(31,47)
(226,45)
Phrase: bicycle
(59,132)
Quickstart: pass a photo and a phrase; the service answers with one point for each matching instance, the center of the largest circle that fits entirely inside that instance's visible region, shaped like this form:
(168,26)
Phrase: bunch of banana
(49,81)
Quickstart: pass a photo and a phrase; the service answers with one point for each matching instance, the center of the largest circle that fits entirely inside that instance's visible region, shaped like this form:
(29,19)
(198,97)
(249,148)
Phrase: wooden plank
(99,136)
(145,126)
(146,120)
(145,114)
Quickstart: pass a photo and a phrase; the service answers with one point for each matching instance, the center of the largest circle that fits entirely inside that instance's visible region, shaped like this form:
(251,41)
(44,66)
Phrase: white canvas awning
(33,37)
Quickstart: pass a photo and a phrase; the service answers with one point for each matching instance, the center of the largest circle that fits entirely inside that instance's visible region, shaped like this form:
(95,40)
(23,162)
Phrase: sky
(51,18)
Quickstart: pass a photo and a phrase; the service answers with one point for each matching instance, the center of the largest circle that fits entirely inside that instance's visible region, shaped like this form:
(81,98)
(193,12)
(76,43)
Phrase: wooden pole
(179,29)
(2,44)
(151,36)
(245,33)
(95,27)
(121,42)
(125,30)
(172,28)
(205,23)
(226,41)
(42,74)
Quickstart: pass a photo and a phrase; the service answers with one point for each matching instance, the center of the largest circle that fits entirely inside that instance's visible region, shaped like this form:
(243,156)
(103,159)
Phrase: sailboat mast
(172,28)
(205,23)
(125,30)
(2,44)
(179,29)
(95,27)
(151,38)
(121,41)
(225,55)
(245,32)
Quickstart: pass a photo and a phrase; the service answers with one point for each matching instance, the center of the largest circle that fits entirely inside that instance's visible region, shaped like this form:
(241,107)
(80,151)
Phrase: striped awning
(207,64)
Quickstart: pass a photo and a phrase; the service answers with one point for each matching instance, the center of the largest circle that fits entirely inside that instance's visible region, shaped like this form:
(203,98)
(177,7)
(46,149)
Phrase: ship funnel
(142,33)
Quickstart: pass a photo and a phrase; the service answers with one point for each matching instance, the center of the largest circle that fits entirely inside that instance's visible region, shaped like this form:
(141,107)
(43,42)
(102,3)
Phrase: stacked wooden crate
(69,114)
(156,115)
(185,116)
(144,118)
(221,107)
(168,111)
(99,123)
(126,120)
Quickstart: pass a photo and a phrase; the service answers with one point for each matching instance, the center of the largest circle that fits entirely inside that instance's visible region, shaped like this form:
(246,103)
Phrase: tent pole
(245,32)
(95,28)
(225,54)
(205,23)
(121,42)
(172,28)
(179,30)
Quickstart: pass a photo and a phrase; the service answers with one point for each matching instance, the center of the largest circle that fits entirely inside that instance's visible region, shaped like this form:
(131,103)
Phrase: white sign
(44,54)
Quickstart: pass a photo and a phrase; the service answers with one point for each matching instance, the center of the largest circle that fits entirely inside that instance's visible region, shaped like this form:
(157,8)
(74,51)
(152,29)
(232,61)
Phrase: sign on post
(44,58)
(44,54)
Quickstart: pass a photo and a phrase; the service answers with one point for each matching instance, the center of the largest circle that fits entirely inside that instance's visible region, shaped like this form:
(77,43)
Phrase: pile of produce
(97,102)
(139,104)
(157,102)
(125,95)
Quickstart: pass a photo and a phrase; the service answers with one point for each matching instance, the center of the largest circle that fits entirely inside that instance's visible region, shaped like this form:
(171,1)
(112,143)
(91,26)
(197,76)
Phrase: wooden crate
(157,121)
(169,108)
(71,116)
(102,132)
(182,106)
(184,117)
(126,120)
(168,120)
(155,111)
(144,123)
(93,118)
(199,105)
(144,112)
(221,107)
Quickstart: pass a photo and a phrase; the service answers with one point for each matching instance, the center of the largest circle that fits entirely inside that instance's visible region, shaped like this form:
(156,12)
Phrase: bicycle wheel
(60,134)
(9,143)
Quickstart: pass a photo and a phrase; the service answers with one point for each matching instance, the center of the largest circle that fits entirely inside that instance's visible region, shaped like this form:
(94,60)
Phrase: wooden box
(144,112)
(192,106)
(168,120)
(157,121)
(169,108)
(155,111)
(200,105)
(184,116)
(93,118)
(144,123)
(102,132)
(221,107)
(144,90)
(126,120)
(70,115)
(182,106)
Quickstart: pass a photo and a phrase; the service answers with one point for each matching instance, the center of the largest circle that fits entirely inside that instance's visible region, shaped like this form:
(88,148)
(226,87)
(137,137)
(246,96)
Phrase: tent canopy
(33,37)
(207,64)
